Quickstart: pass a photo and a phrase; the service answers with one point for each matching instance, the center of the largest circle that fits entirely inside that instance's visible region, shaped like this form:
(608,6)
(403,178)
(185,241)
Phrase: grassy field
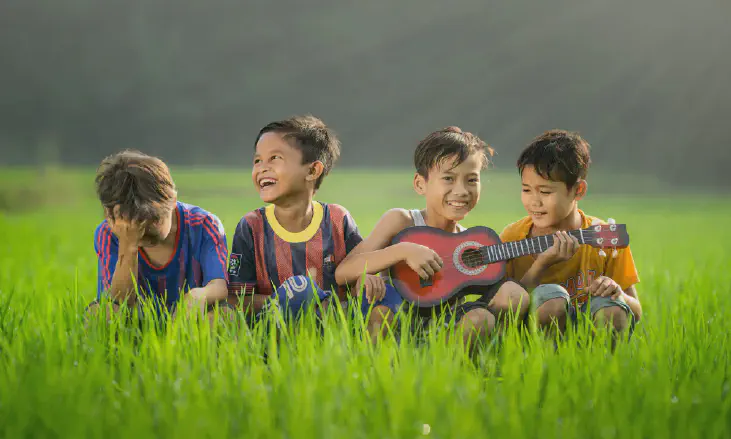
(58,380)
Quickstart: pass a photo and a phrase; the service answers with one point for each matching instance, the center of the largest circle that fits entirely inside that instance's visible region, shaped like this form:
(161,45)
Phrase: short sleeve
(350,230)
(622,268)
(213,253)
(105,246)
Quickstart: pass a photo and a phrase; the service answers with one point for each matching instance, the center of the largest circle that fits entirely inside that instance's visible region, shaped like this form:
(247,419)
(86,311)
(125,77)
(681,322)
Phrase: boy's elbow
(217,289)
(340,277)
(345,274)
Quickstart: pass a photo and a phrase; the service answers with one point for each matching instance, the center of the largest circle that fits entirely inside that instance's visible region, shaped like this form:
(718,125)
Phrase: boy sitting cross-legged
(448,165)
(279,250)
(153,248)
(568,278)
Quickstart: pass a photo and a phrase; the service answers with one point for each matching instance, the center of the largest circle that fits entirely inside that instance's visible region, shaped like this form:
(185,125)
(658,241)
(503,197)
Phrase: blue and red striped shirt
(200,256)
(264,254)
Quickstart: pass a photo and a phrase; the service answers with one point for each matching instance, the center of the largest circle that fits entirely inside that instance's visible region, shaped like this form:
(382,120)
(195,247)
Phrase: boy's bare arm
(564,247)
(215,291)
(532,277)
(122,288)
(128,233)
(630,296)
(375,253)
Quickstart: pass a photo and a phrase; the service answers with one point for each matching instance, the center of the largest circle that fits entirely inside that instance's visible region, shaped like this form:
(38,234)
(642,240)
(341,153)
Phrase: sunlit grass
(60,377)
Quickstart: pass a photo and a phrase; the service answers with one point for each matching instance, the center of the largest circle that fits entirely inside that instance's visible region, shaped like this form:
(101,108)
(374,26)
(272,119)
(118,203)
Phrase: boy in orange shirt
(568,279)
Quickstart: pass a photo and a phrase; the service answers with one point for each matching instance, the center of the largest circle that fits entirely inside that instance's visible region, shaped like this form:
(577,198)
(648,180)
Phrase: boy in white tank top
(418,219)
(448,166)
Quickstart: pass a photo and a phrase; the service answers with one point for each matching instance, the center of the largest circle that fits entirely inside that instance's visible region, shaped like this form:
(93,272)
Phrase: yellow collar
(302,236)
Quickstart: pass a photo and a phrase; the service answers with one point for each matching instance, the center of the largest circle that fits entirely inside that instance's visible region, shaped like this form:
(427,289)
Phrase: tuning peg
(614,253)
(596,222)
(601,253)
(611,221)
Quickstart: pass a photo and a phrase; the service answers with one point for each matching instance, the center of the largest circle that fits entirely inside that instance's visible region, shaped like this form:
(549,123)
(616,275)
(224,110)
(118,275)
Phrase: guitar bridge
(425,282)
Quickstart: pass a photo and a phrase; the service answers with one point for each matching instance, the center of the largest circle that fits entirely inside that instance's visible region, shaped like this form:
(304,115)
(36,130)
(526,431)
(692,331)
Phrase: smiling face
(549,203)
(278,172)
(451,191)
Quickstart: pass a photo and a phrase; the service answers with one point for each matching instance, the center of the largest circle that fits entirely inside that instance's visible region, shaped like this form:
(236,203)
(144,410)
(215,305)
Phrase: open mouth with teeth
(458,204)
(267,182)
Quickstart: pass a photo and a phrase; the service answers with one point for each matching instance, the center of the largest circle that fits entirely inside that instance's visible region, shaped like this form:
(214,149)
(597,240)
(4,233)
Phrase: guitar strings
(479,258)
(515,249)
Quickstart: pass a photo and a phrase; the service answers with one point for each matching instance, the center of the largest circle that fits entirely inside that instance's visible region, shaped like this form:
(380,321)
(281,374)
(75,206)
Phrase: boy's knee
(551,309)
(379,315)
(545,292)
(511,297)
(379,320)
(478,320)
(613,315)
(222,312)
(93,309)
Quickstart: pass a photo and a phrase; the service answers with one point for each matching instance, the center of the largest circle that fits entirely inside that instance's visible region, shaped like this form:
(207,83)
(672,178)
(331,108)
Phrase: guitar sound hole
(472,258)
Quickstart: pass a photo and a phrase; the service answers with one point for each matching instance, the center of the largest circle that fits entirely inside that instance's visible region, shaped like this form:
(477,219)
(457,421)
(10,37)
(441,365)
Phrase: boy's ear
(581,188)
(174,203)
(419,184)
(316,170)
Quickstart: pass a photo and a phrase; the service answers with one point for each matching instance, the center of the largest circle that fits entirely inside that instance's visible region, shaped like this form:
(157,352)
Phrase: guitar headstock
(606,236)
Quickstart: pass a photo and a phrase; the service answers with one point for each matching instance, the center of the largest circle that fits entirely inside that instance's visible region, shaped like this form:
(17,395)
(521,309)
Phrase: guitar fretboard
(528,246)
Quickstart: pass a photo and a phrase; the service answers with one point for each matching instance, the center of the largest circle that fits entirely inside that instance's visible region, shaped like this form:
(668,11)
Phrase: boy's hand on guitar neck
(564,248)
(423,260)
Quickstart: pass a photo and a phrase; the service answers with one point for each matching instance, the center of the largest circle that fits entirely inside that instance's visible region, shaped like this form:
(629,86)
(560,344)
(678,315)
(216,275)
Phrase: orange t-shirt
(578,272)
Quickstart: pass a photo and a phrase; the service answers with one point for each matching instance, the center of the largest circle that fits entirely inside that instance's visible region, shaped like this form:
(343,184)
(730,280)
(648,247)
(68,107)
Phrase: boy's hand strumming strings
(423,260)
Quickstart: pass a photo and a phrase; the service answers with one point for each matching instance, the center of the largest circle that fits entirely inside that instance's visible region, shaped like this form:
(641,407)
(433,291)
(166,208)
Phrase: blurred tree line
(645,81)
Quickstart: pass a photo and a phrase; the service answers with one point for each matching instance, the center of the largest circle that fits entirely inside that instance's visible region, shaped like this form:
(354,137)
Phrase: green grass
(56,379)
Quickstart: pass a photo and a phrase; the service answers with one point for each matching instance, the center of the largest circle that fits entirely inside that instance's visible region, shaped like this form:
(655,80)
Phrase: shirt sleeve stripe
(106,241)
(197,219)
(208,227)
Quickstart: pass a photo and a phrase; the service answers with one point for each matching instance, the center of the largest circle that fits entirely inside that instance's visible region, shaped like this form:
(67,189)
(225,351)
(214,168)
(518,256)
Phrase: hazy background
(646,82)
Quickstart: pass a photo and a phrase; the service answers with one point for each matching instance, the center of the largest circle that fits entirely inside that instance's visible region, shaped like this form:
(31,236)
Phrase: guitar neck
(524,247)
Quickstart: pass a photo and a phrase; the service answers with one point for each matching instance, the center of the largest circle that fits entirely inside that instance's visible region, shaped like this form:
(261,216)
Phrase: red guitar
(475,258)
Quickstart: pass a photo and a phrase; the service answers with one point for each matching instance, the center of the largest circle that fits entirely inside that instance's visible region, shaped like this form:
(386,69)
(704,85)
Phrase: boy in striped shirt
(289,249)
(151,246)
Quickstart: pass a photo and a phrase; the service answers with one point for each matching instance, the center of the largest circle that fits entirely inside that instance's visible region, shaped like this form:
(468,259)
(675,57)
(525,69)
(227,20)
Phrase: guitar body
(462,272)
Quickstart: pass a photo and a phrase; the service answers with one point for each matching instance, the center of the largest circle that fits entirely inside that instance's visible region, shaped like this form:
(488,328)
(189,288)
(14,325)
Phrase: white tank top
(419,219)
